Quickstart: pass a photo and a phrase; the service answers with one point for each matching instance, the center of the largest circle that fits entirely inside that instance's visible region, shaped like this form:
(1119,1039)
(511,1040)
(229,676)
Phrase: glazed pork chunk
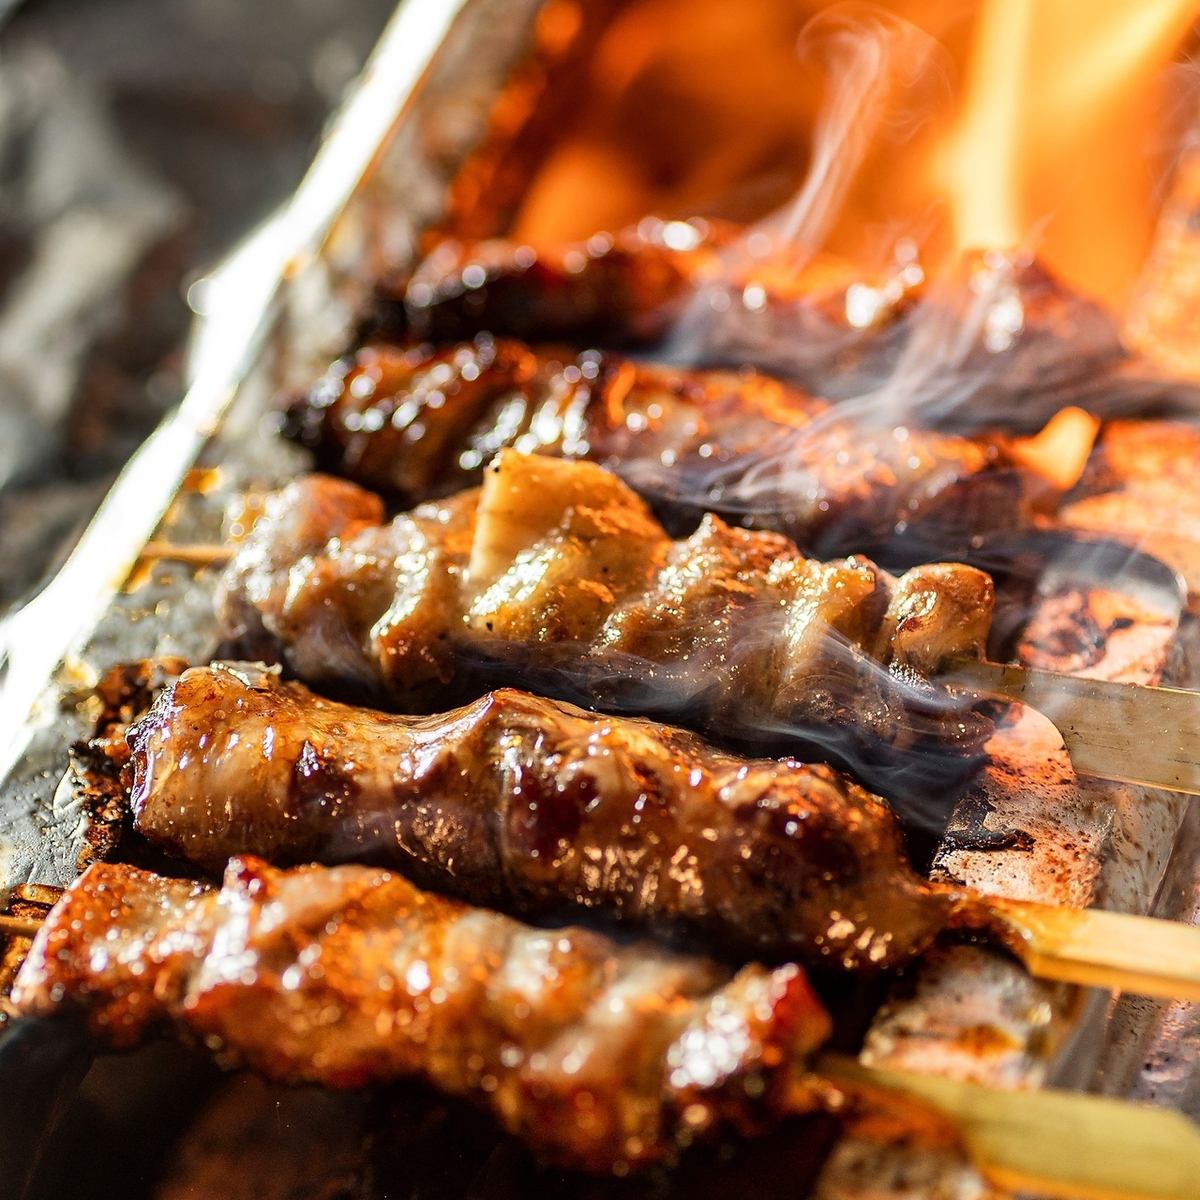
(601,1056)
(555,576)
(535,807)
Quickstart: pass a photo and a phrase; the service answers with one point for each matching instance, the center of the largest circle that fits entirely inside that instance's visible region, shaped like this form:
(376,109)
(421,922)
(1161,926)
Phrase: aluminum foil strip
(284,297)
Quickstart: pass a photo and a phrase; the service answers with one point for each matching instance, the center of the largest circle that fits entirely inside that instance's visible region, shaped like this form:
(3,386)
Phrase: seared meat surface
(1001,327)
(720,292)
(533,806)
(416,422)
(600,1056)
(627,287)
(556,575)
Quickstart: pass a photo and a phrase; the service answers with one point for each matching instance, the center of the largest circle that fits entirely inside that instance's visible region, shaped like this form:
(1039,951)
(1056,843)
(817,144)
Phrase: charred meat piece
(533,806)
(416,422)
(599,1056)
(556,576)
(627,287)
(1001,326)
(718,291)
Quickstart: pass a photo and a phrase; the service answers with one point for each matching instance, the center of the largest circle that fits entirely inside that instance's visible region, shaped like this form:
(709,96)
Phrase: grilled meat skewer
(641,284)
(627,287)
(599,1056)
(416,422)
(710,292)
(532,806)
(557,576)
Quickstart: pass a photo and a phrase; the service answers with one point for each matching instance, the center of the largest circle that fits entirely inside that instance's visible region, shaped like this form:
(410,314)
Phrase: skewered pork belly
(557,574)
(416,422)
(1003,325)
(600,1056)
(533,806)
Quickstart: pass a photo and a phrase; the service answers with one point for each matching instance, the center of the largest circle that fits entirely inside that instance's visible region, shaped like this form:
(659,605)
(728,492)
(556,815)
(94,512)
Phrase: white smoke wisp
(881,78)
(870,58)
(994,341)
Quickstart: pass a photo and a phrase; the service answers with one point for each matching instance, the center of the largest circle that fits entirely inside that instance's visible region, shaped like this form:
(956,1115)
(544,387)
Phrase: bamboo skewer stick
(1147,956)
(199,555)
(1120,731)
(1049,1142)
(25,927)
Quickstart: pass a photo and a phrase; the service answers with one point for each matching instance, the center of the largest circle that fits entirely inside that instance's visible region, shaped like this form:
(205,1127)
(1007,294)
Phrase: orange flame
(1061,112)
(1054,141)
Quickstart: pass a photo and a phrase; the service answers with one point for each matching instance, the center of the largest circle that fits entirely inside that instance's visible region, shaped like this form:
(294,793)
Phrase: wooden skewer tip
(1147,956)
(1051,1142)
(198,555)
(25,927)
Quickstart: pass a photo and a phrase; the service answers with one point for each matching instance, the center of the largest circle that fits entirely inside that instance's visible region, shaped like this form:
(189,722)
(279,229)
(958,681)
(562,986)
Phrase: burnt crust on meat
(415,422)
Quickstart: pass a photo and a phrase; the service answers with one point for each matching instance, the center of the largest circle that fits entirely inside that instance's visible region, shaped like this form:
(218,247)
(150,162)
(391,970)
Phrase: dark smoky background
(139,141)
